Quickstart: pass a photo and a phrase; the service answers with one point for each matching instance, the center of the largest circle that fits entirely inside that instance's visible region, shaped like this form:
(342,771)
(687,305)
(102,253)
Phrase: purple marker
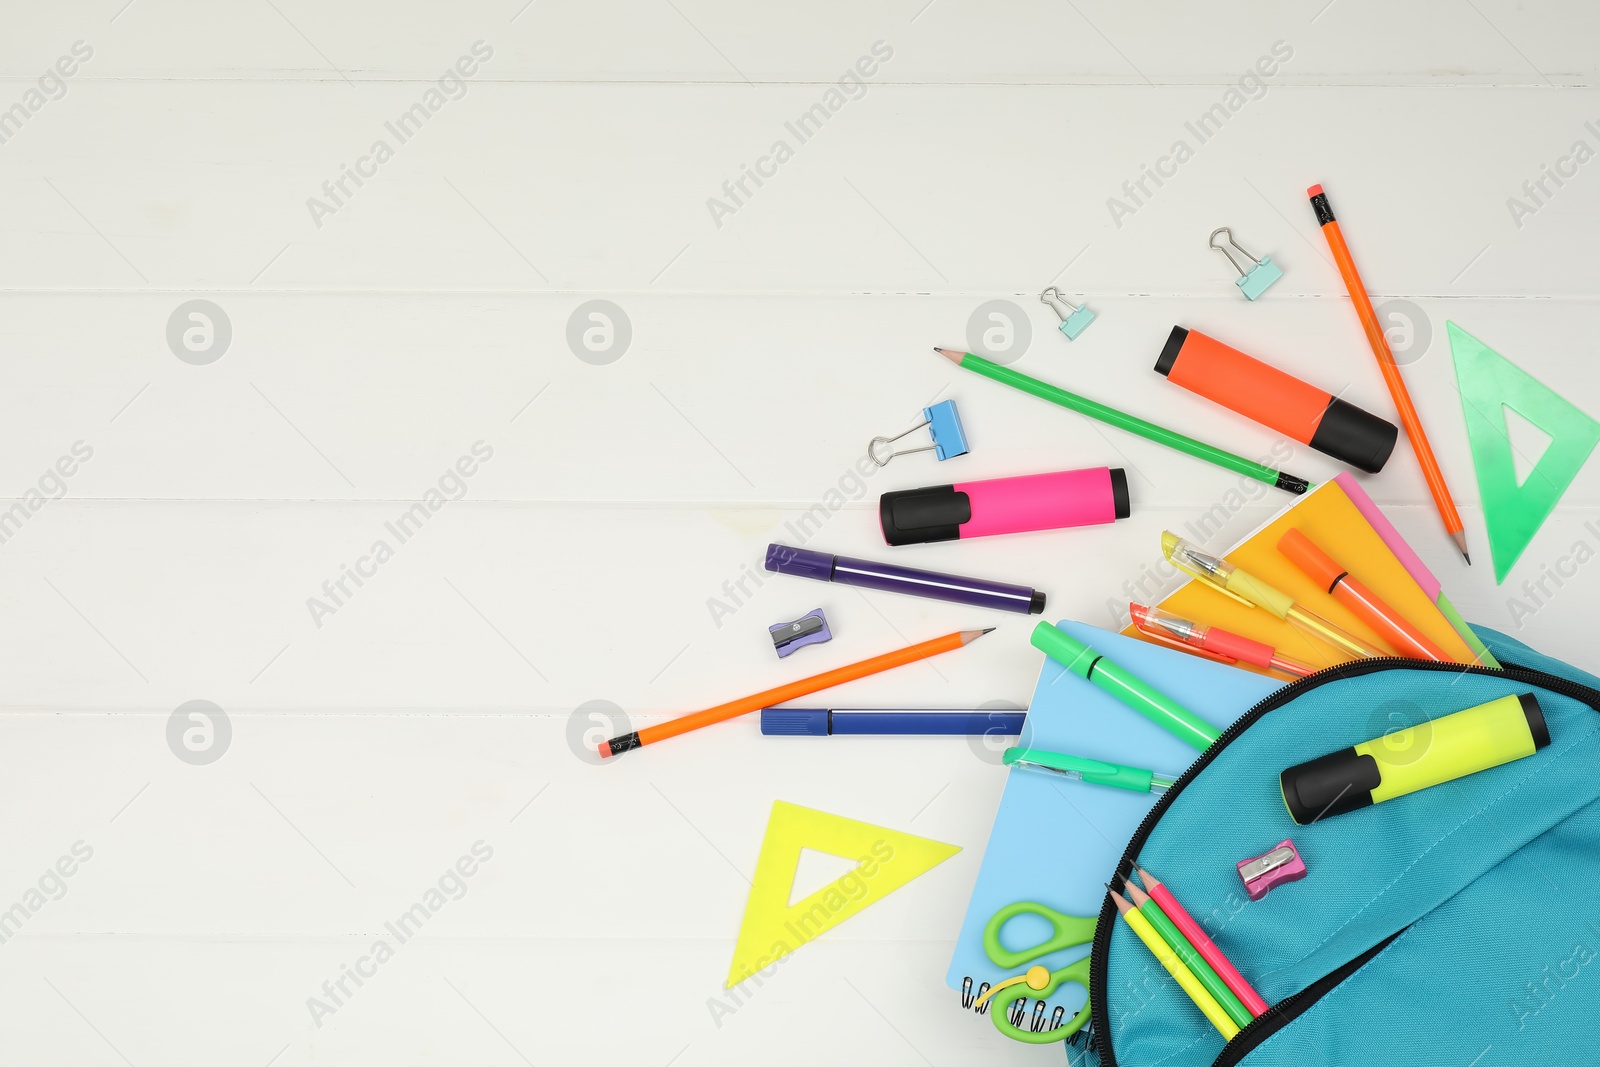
(892,578)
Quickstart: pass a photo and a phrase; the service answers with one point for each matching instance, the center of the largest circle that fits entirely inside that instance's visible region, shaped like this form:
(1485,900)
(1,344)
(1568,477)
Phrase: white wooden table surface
(355,349)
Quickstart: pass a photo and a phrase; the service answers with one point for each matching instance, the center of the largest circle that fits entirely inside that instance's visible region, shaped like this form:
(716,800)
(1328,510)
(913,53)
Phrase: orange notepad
(1327,516)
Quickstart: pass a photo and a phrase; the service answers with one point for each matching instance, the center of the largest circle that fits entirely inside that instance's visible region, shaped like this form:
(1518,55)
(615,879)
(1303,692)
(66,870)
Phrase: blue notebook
(1057,842)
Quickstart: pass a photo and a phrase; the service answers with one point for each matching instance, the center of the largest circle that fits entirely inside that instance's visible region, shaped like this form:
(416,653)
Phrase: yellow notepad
(1327,516)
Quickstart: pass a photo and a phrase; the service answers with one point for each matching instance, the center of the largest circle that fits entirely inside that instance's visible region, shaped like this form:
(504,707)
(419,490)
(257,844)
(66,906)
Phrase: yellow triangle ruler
(885,861)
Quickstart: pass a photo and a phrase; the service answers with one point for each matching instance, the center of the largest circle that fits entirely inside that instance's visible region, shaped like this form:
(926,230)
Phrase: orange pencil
(792,691)
(1363,603)
(1390,369)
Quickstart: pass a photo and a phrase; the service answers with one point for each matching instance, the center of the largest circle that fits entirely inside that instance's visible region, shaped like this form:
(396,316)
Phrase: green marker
(1189,955)
(1142,697)
(1093,771)
(1123,421)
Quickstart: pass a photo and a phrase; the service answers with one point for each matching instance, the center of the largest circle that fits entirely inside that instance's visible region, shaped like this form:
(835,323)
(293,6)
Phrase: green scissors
(1066,932)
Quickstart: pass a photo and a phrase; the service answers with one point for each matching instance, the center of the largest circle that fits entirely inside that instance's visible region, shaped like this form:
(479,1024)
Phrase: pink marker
(1004,505)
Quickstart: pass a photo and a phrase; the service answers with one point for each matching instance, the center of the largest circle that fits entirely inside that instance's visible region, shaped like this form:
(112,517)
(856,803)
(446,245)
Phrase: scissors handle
(1065,932)
(1000,1005)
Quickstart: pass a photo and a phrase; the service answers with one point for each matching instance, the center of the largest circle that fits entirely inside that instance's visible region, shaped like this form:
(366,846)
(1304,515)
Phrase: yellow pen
(1182,975)
(1246,588)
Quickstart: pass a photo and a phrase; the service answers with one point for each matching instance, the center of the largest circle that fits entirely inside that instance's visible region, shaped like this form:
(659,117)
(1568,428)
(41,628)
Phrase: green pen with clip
(1127,687)
(1093,771)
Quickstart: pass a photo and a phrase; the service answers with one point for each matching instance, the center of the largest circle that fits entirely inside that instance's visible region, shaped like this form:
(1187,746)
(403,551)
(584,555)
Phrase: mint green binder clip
(1074,319)
(1261,273)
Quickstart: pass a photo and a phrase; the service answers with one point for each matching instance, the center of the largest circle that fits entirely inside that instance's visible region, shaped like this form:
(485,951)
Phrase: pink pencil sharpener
(1261,874)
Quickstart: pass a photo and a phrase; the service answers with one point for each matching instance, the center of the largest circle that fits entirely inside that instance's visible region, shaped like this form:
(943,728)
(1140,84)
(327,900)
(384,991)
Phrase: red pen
(1213,642)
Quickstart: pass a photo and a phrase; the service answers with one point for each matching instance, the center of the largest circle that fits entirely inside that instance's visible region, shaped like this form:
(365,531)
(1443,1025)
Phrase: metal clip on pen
(1252,592)
(1093,771)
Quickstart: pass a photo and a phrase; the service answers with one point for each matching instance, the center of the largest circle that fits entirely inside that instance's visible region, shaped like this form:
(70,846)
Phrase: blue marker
(820,722)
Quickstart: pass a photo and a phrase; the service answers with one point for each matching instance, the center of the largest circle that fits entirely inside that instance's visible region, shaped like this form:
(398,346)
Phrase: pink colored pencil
(1202,944)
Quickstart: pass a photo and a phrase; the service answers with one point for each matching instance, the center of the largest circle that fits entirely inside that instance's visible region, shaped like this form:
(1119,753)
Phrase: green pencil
(1123,421)
(1189,955)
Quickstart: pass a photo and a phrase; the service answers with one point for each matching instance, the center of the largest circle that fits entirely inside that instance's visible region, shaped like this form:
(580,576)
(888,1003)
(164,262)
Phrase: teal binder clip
(1074,319)
(1262,273)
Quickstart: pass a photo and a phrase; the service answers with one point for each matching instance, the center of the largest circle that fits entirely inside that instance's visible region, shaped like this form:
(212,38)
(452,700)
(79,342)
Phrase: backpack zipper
(1290,1008)
(1338,672)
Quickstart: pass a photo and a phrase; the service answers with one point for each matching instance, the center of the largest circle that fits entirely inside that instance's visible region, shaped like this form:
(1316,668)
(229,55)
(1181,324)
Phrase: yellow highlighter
(1247,589)
(1182,975)
(1429,753)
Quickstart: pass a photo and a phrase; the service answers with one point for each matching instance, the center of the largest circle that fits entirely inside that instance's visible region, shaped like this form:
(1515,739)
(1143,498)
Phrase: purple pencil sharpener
(809,629)
(1261,874)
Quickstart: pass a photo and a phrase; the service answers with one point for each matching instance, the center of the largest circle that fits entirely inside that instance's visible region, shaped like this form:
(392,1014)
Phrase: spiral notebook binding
(1019,1009)
(968,996)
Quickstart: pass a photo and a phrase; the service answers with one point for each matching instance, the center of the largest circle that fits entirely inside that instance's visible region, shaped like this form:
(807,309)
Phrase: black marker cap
(1535,715)
(919,516)
(1329,785)
(1169,352)
(1119,493)
(1351,435)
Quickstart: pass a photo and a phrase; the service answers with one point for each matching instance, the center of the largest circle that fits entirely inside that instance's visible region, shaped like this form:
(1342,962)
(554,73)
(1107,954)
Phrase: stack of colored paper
(1340,517)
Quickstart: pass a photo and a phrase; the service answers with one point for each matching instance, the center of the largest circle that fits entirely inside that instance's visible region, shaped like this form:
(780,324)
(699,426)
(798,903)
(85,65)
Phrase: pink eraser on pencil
(1261,874)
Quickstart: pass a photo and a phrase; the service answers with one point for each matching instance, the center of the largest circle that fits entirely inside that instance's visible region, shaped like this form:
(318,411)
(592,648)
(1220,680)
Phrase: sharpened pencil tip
(1460,538)
(949,353)
(988,629)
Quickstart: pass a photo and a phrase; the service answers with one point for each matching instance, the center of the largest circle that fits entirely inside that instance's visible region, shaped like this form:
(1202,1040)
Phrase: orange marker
(1391,370)
(1362,602)
(793,691)
(1277,400)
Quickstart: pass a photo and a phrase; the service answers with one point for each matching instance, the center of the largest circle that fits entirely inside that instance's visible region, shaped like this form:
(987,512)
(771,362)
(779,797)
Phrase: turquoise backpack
(1457,926)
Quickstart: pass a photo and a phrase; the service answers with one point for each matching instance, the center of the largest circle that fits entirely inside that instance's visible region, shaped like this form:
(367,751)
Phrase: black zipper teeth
(1290,1008)
(1338,672)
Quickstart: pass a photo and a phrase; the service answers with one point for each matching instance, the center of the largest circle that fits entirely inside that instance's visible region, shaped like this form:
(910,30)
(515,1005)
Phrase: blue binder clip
(1262,273)
(1074,321)
(944,426)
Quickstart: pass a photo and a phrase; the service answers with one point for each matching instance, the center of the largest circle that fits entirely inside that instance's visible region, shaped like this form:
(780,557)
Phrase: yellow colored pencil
(1182,975)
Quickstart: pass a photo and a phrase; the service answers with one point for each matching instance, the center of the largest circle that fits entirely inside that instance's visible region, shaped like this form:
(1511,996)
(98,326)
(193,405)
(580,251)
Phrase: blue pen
(820,722)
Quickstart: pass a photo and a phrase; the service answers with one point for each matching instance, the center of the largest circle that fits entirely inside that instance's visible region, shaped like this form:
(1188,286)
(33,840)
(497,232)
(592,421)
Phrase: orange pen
(792,691)
(1323,569)
(1390,369)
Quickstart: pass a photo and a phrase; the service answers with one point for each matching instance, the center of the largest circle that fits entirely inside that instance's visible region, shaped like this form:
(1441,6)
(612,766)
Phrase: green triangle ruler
(1490,384)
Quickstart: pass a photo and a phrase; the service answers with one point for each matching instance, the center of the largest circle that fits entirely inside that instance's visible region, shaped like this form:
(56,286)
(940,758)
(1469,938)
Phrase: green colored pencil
(1123,421)
(1189,955)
